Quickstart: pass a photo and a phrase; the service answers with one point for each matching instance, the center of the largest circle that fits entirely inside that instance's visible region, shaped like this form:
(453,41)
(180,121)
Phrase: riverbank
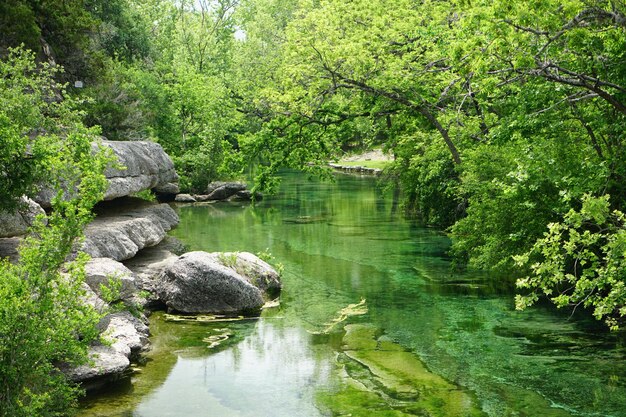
(371,162)
(461,327)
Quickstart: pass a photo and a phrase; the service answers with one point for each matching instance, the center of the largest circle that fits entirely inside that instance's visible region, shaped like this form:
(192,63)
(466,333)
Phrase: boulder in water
(197,282)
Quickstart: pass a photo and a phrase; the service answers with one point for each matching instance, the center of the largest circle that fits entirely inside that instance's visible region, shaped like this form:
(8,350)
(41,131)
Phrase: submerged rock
(380,374)
(197,282)
(121,234)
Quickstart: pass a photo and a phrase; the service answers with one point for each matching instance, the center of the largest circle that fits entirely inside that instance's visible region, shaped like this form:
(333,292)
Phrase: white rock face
(121,235)
(147,166)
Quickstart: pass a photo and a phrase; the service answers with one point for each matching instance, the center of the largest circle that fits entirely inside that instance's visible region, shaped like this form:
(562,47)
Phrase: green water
(433,342)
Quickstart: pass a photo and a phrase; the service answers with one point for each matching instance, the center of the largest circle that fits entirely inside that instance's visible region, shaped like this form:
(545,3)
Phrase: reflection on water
(339,243)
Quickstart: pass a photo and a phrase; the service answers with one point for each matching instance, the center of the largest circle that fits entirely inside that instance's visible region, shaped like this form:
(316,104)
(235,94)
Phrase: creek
(433,341)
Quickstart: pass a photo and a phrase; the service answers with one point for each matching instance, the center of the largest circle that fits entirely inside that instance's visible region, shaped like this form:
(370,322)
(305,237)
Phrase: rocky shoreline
(356,169)
(133,259)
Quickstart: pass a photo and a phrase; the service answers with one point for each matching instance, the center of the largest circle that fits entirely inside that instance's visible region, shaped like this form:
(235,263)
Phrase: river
(443,343)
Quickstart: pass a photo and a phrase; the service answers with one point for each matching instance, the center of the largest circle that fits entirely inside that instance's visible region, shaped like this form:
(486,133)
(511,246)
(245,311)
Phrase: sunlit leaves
(580,261)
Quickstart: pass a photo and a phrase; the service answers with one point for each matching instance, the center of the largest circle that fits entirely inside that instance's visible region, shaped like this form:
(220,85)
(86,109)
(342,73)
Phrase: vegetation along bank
(505,120)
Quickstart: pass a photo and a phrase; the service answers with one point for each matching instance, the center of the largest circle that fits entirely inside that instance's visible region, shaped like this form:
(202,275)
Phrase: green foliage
(501,114)
(111,291)
(43,321)
(267,256)
(228,259)
(30,108)
(580,261)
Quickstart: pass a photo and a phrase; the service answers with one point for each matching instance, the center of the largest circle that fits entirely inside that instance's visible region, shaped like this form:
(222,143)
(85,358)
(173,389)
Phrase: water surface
(339,243)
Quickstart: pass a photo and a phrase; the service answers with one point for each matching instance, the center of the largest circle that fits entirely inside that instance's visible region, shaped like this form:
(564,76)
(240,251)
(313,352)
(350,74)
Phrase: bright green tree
(43,322)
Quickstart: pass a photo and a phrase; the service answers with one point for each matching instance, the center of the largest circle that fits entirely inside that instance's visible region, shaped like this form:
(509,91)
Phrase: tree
(43,322)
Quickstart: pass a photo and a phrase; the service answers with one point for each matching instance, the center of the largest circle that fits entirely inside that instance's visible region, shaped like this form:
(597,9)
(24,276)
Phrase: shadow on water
(436,330)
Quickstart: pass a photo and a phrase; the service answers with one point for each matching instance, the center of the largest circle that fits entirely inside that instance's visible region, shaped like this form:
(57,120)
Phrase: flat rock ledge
(120,236)
(218,283)
(147,167)
(126,336)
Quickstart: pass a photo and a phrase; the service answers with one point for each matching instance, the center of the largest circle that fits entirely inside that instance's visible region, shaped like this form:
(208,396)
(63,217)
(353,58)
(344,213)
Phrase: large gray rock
(126,337)
(197,283)
(120,235)
(246,195)
(147,166)
(9,247)
(222,190)
(148,264)
(252,268)
(18,222)
(99,272)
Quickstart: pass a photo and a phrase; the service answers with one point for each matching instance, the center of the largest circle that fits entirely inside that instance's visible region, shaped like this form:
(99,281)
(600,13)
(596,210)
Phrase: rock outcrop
(126,337)
(99,272)
(185,198)
(356,169)
(147,166)
(199,282)
(120,235)
(18,222)
(220,190)
(148,265)
(8,248)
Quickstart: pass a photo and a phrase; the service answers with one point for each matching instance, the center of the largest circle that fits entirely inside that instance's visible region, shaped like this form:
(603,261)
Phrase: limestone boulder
(126,337)
(146,166)
(197,283)
(147,266)
(9,248)
(100,271)
(253,269)
(185,198)
(220,190)
(245,195)
(16,223)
